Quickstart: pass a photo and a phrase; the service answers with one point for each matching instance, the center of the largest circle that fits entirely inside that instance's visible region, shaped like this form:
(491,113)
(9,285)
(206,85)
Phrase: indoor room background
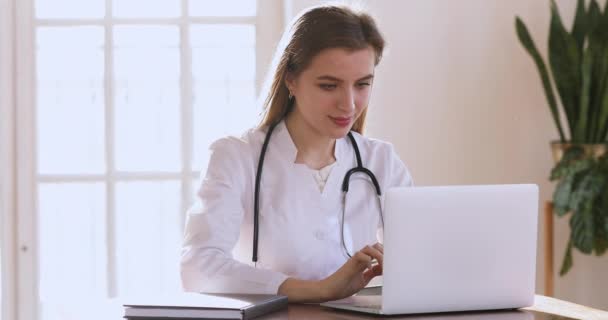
(108,107)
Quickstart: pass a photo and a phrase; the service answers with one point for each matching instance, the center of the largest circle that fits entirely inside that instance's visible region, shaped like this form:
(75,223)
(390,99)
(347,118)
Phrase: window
(120,100)
(7,169)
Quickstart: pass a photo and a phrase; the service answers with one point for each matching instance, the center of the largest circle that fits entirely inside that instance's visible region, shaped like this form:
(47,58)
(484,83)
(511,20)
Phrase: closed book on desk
(204,306)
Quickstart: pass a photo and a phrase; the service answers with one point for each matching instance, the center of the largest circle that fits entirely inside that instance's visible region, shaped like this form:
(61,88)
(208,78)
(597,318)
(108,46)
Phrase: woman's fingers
(379,246)
(374,252)
(374,271)
(362,259)
(369,258)
(355,273)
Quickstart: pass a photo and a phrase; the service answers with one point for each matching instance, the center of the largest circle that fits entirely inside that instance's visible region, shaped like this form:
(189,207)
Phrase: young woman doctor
(272,213)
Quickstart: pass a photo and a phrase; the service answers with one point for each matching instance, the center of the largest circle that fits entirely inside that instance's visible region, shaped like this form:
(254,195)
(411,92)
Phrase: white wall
(463,104)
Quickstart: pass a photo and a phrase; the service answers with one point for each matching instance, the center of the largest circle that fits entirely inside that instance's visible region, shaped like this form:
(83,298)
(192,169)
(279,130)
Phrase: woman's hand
(355,274)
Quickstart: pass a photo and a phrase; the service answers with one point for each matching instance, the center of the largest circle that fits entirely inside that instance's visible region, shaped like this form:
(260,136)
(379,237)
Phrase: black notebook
(205,306)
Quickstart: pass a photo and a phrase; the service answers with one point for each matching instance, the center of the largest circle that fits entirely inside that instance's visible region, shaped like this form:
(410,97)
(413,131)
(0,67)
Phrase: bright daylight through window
(129,95)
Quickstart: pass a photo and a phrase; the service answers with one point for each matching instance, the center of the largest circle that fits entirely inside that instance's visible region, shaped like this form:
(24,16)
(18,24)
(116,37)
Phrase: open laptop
(455,248)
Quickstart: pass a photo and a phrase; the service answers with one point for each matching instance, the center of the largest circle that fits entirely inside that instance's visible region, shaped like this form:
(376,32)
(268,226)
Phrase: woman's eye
(327,86)
(363,84)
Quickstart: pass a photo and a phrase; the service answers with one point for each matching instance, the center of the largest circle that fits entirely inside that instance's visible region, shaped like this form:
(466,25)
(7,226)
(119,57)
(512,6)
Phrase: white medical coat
(299,231)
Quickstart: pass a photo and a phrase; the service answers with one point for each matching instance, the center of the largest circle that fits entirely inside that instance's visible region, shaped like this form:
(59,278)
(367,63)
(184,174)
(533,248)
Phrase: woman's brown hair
(317,29)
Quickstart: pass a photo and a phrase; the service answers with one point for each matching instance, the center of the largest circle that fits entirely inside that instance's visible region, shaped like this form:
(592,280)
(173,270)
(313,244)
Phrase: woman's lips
(341,121)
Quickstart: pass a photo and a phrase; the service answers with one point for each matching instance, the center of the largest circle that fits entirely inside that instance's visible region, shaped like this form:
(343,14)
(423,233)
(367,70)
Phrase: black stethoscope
(345,182)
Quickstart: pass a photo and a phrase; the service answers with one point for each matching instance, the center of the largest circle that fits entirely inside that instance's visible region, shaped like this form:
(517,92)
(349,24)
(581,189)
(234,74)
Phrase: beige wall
(463,104)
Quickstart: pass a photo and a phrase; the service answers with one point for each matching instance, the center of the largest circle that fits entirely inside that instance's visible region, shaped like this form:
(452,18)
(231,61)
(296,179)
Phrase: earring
(290,95)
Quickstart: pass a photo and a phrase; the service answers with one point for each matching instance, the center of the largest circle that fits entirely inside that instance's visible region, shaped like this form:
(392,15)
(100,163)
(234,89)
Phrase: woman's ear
(290,82)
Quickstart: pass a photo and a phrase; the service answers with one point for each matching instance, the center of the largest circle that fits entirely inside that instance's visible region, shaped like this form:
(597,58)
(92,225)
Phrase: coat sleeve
(399,175)
(212,229)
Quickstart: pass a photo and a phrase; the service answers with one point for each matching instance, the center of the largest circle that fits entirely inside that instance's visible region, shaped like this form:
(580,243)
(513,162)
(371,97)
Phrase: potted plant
(578,65)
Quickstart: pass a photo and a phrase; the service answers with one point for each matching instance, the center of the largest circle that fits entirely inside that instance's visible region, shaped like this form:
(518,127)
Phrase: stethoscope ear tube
(256,199)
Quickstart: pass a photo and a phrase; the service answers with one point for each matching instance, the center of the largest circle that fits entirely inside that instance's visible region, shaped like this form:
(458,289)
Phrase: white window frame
(8,267)
(18,208)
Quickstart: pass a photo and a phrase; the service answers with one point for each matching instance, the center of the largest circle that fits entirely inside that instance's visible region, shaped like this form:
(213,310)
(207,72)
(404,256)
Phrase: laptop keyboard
(368,306)
(368,302)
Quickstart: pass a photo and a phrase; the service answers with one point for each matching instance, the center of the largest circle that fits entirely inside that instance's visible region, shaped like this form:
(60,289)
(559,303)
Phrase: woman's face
(333,91)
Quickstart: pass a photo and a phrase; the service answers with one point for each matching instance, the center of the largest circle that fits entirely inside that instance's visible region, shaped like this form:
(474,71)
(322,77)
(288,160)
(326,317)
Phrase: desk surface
(544,308)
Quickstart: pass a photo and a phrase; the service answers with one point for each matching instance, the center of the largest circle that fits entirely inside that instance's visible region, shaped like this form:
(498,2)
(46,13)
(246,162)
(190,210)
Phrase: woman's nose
(347,100)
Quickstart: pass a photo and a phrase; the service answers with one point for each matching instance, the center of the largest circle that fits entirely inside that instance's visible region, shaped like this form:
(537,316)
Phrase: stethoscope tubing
(345,183)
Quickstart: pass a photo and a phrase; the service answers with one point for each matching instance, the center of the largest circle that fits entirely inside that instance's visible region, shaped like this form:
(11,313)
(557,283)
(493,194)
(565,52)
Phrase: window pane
(147,98)
(72,246)
(50,9)
(70,100)
(223,67)
(148,237)
(212,8)
(196,185)
(146,8)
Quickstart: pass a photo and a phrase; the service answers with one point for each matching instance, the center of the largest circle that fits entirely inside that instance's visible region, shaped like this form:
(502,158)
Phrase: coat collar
(288,148)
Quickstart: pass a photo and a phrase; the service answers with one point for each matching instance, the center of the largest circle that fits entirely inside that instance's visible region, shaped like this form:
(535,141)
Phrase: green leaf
(587,187)
(603,112)
(562,167)
(594,16)
(581,225)
(605,224)
(565,63)
(598,45)
(582,125)
(579,28)
(567,262)
(601,234)
(605,214)
(601,245)
(597,88)
(528,44)
(568,194)
(561,195)
(579,165)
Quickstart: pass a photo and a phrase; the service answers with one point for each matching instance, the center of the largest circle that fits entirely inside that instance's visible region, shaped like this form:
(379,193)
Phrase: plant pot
(591,149)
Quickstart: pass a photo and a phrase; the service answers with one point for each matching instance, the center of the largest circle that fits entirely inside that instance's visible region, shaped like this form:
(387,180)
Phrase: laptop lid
(457,248)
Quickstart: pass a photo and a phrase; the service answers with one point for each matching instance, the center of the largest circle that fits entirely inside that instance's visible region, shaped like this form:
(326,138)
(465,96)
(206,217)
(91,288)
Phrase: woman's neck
(314,150)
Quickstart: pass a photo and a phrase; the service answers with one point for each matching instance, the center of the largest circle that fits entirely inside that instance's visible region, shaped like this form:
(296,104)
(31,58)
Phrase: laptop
(455,248)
